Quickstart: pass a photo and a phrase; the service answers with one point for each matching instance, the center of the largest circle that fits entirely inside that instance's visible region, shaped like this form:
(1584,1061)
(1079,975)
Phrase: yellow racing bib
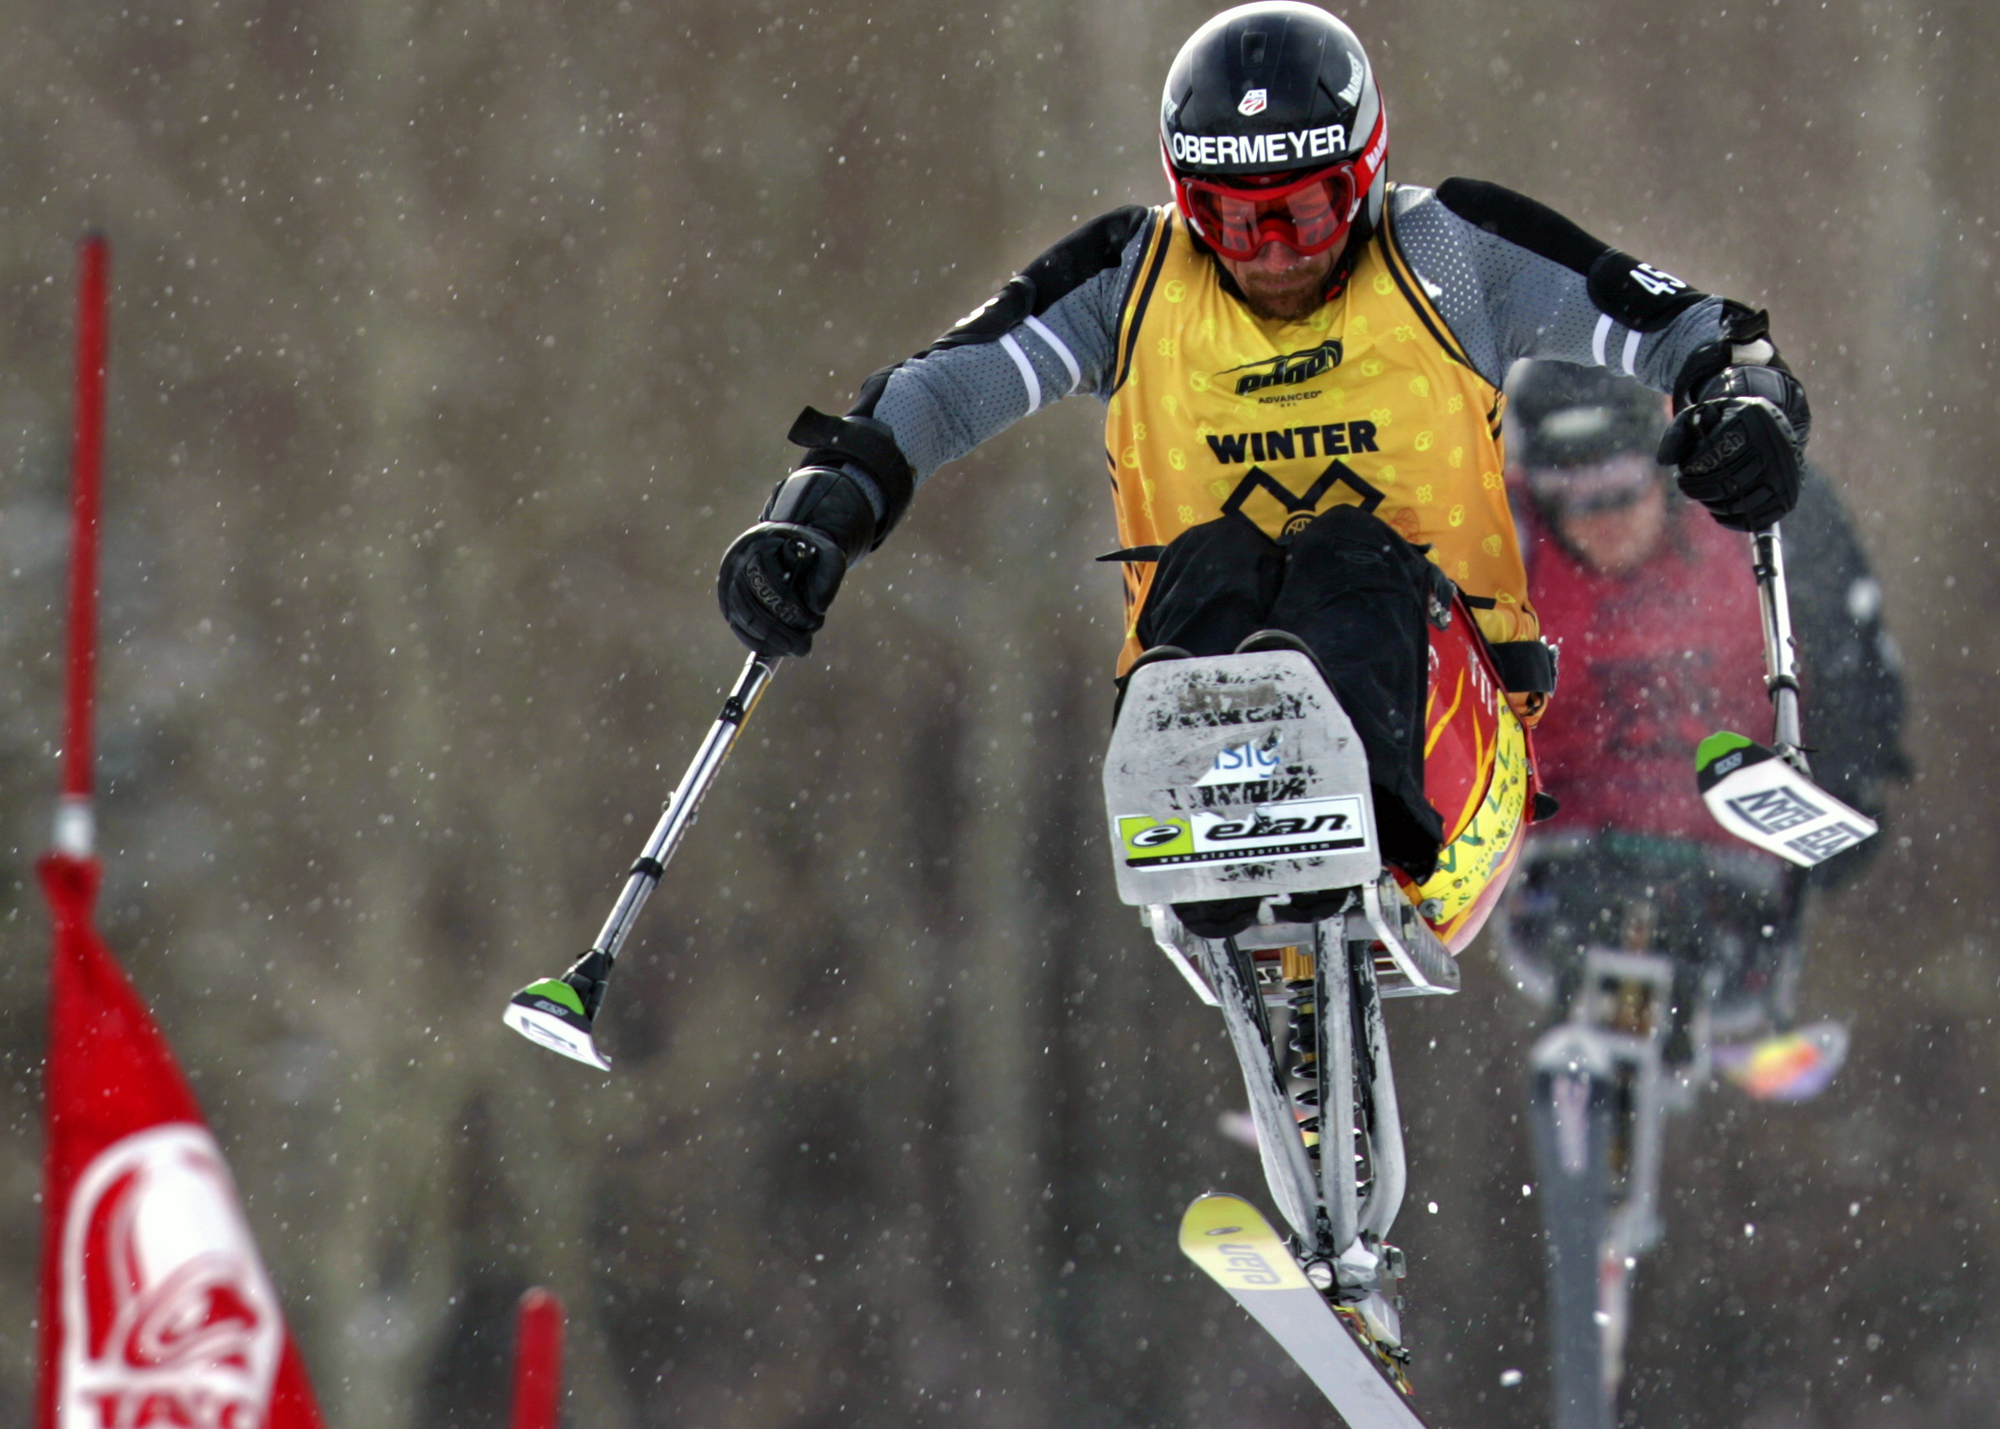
(1367,402)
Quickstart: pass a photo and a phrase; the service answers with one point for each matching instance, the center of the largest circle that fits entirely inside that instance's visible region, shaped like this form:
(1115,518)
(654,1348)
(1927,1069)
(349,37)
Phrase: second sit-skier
(1656,612)
(1656,941)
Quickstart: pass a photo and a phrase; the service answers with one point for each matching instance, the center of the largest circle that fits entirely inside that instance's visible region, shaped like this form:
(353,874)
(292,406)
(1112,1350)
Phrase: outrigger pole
(558,1012)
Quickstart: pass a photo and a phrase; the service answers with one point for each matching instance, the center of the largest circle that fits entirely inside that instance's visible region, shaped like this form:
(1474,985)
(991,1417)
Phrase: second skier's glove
(779,577)
(1739,433)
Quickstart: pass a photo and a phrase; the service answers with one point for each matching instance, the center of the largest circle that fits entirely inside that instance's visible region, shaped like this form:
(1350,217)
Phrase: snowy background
(453,341)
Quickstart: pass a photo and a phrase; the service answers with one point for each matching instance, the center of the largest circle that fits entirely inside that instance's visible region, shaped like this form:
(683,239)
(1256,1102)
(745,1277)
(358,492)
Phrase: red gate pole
(75,831)
(538,1361)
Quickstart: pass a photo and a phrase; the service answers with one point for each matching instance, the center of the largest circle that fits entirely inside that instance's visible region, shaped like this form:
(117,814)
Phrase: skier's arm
(1515,279)
(1050,331)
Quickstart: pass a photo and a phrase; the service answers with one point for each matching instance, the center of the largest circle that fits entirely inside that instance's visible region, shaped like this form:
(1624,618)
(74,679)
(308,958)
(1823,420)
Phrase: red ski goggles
(1307,212)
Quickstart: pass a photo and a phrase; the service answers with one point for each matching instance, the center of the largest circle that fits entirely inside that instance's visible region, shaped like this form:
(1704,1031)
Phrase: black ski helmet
(1584,438)
(1272,88)
(1565,415)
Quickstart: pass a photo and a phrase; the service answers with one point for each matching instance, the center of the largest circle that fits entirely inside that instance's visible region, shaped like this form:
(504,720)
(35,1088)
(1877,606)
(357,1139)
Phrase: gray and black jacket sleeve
(1511,278)
(1515,279)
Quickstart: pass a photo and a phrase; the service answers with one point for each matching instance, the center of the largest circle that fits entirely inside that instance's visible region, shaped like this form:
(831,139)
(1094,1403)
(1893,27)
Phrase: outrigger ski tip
(550,1013)
(1763,795)
(1759,795)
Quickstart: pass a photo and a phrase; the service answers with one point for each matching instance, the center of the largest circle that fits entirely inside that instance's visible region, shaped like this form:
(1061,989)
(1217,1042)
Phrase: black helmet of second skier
(1272,129)
(1583,437)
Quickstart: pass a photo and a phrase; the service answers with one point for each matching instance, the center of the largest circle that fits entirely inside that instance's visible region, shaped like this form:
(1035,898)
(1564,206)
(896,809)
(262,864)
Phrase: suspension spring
(1302,1044)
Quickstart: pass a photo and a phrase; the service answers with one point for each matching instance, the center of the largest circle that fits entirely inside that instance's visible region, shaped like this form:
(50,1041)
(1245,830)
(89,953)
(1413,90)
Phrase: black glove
(1739,436)
(779,577)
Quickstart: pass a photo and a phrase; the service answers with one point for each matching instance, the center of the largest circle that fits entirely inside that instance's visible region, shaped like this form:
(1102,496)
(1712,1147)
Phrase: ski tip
(550,1014)
(1232,1242)
(1795,1067)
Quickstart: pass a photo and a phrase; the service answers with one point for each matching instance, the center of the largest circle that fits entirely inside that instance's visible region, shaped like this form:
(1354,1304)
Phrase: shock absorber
(1302,1043)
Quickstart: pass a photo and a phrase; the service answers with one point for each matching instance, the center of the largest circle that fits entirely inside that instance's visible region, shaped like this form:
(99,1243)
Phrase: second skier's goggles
(1590,488)
(1308,211)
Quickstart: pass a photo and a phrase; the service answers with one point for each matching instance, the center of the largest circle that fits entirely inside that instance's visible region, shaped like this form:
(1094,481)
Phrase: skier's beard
(1280,284)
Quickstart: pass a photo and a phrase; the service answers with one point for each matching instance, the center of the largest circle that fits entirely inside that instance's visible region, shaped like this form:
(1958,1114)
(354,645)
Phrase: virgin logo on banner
(167,1314)
(156,1307)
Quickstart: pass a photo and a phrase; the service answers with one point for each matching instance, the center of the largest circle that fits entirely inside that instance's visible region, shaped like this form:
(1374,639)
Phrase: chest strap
(1525,667)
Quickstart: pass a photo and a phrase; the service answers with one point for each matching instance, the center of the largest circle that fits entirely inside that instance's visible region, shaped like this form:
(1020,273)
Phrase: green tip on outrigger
(557,1012)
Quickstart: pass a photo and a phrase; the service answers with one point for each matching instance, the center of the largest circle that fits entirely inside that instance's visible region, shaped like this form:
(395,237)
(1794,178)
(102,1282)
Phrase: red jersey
(1652,663)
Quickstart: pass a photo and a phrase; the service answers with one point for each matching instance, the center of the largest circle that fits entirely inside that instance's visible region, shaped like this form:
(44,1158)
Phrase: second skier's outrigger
(1301,365)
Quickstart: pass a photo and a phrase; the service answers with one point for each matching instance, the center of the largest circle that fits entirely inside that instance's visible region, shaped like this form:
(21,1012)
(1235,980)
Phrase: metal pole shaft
(682,804)
(1781,676)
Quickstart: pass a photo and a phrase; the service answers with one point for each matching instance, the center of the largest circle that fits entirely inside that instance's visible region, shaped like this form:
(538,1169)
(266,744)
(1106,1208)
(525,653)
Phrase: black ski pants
(1360,596)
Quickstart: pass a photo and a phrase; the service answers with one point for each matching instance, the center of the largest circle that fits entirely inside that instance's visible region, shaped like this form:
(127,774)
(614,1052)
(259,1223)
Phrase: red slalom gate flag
(537,1361)
(155,1310)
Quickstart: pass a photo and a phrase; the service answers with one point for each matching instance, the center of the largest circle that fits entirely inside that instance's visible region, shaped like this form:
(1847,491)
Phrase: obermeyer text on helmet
(1209,150)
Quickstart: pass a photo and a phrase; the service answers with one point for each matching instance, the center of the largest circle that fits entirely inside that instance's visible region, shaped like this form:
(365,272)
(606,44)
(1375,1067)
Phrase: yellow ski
(1237,1248)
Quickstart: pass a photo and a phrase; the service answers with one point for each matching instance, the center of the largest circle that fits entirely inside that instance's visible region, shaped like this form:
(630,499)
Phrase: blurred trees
(451,344)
